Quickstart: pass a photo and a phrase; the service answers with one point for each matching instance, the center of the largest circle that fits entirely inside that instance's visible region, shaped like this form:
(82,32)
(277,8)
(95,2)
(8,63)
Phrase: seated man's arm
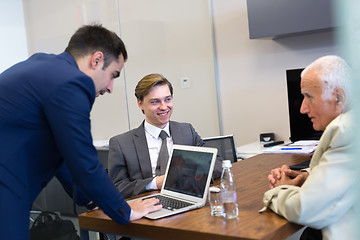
(124,171)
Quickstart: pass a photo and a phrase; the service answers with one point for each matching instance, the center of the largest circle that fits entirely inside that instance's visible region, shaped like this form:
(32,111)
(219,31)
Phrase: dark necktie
(163,155)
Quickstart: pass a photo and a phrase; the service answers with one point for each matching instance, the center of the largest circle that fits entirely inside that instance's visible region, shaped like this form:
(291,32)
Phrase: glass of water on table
(215,201)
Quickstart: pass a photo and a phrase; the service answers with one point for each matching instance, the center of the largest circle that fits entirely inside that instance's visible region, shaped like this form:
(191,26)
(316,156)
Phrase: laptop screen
(188,172)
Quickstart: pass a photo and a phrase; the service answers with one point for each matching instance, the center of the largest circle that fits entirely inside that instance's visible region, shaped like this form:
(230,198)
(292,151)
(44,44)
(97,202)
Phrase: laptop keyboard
(171,203)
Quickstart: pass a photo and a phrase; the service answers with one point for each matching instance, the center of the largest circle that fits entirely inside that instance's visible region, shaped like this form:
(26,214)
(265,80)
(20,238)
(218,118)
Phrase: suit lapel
(142,151)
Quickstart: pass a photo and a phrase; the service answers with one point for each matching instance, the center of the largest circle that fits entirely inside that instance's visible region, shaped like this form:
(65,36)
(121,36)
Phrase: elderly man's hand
(286,176)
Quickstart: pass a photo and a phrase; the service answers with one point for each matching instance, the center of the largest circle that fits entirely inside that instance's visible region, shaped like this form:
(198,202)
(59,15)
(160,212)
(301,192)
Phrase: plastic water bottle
(228,191)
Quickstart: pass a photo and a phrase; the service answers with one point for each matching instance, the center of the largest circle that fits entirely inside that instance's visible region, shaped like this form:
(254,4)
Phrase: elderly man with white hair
(322,196)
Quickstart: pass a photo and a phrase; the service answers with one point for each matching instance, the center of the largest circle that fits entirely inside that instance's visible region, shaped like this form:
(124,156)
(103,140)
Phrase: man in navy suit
(133,155)
(45,105)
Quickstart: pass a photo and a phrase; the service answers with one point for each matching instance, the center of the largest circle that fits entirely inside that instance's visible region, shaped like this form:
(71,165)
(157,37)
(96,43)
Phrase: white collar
(155,131)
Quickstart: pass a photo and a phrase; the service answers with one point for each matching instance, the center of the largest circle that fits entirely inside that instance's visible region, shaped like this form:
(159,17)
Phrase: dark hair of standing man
(92,38)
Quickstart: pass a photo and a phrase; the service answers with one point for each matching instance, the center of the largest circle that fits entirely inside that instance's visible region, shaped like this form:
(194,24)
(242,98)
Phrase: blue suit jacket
(129,159)
(45,103)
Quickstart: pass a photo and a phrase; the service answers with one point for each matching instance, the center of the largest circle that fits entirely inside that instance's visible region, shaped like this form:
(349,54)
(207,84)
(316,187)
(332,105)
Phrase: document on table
(101,143)
(303,146)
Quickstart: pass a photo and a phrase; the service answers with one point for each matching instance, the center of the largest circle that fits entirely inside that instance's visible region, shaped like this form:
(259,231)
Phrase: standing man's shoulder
(58,70)
(63,61)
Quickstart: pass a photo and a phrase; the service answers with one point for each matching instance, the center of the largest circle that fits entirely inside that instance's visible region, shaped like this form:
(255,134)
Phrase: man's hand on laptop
(159,181)
(142,207)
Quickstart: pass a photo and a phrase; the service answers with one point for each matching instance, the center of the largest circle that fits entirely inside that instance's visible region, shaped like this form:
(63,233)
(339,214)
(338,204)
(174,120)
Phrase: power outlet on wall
(185,82)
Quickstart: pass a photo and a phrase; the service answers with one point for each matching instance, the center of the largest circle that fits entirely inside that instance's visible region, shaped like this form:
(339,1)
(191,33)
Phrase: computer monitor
(300,124)
(225,145)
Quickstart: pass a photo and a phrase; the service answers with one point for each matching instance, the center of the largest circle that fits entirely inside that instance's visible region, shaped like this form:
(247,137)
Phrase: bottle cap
(226,163)
(214,189)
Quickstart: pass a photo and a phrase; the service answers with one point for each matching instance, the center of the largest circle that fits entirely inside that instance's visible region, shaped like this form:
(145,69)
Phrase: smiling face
(319,109)
(157,105)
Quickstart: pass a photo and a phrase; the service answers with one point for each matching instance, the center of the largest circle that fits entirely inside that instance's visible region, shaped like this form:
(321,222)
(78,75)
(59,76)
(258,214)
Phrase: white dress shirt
(154,144)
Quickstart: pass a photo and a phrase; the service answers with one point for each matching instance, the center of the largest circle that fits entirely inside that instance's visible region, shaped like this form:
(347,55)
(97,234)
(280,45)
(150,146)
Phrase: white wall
(252,75)
(13,35)
(51,23)
(172,38)
(162,36)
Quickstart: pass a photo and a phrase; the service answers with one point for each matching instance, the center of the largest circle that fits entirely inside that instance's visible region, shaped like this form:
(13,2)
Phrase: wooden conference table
(251,179)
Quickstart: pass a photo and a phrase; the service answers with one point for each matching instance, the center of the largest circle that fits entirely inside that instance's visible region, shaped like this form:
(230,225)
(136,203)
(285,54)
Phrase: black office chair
(225,145)
(103,154)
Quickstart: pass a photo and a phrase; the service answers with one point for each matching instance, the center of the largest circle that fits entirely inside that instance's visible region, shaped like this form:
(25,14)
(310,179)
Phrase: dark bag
(49,226)
(311,234)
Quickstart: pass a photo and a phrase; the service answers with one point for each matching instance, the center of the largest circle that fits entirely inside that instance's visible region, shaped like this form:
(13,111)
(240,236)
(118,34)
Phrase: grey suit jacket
(129,159)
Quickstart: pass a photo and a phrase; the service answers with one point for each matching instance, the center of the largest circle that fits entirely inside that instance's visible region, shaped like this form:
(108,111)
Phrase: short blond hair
(148,82)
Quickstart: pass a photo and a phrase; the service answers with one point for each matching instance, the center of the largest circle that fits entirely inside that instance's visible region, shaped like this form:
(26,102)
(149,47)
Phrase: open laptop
(187,179)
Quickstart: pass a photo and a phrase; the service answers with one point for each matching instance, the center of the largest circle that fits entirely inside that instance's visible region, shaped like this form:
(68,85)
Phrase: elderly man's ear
(340,98)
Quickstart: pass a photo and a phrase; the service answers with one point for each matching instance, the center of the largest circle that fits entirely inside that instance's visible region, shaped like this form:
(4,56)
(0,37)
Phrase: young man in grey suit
(133,155)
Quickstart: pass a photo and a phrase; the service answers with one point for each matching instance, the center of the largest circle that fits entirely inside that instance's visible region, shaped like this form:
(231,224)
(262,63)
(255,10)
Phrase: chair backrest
(225,145)
(103,153)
